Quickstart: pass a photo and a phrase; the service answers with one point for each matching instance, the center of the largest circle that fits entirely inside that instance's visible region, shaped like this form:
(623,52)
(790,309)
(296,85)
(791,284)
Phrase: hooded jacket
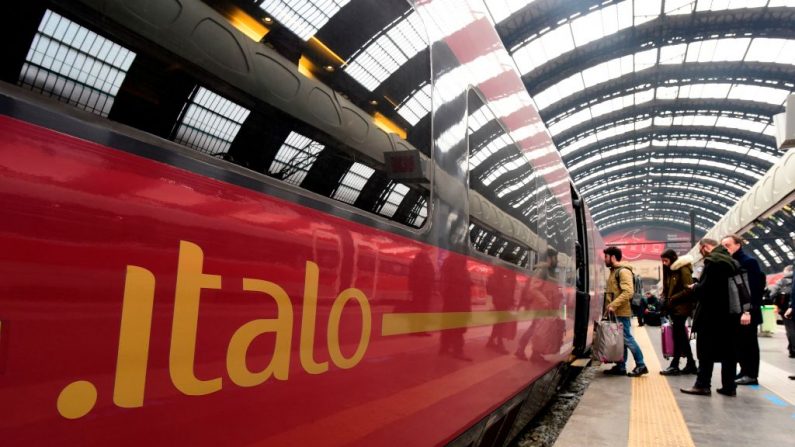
(677,296)
(619,293)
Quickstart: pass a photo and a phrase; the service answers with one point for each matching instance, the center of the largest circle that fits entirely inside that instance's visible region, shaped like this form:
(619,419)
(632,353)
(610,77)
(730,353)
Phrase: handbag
(609,341)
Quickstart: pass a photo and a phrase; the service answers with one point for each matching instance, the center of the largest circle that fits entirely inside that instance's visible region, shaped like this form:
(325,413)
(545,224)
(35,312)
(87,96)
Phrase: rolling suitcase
(667,333)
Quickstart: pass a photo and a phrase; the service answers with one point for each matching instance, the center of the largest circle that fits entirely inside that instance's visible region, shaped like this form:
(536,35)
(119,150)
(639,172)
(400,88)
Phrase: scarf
(719,255)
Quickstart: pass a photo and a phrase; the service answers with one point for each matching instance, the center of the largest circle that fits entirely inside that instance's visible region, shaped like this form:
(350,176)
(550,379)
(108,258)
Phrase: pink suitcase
(667,334)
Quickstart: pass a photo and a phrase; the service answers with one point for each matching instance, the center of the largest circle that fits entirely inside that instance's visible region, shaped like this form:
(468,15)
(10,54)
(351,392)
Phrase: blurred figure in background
(781,293)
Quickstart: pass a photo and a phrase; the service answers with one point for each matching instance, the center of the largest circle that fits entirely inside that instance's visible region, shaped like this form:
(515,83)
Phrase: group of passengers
(726,329)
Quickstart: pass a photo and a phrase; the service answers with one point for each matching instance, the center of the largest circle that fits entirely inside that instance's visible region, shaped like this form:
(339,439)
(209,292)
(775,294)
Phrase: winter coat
(676,295)
(756,282)
(716,327)
(620,295)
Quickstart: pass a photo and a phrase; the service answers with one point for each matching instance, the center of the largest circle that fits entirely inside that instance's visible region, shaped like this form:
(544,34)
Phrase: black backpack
(637,285)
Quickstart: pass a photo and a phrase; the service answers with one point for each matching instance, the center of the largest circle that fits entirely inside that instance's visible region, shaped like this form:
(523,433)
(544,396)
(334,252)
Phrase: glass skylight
(352,183)
(303,17)
(417,105)
(387,51)
(294,158)
(75,65)
(210,122)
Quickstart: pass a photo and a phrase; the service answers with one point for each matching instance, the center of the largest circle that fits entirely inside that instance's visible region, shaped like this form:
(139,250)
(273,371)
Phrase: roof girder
(665,30)
(747,73)
(681,151)
(673,107)
(762,142)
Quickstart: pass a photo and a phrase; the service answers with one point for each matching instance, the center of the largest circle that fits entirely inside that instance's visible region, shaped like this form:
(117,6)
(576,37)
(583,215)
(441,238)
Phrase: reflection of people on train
(455,288)
(422,278)
(541,293)
(501,287)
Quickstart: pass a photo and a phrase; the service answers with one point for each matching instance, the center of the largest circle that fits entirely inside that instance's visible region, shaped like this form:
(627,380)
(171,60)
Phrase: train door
(583,298)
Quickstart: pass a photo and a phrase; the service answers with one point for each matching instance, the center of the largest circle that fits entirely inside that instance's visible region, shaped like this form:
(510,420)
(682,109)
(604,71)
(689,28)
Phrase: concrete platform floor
(650,410)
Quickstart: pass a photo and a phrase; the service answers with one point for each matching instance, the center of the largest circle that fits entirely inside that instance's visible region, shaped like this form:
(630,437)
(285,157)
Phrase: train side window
(502,183)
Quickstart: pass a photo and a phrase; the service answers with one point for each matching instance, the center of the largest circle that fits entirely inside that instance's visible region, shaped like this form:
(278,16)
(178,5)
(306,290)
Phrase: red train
(279,223)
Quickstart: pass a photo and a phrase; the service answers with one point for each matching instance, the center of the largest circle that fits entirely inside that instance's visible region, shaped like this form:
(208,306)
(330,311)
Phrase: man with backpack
(619,294)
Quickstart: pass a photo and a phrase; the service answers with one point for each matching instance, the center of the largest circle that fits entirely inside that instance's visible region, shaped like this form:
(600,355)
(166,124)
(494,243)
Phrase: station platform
(651,411)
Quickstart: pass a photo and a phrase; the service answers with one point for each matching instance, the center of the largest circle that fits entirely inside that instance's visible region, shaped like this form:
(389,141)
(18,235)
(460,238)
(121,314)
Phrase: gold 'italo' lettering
(334,349)
(136,325)
(190,282)
(308,318)
(279,365)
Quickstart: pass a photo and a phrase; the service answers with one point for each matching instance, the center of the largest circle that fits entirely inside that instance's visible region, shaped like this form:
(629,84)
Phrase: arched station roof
(658,107)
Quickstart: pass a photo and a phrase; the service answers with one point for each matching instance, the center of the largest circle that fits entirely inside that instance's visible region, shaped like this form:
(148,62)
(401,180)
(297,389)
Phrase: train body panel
(155,294)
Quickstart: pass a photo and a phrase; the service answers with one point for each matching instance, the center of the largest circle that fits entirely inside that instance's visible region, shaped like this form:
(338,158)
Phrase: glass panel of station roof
(786,249)
(396,194)
(75,65)
(387,51)
(502,9)
(758,93)
(761,257)
(416,105)
(294,158)
(645,10)
(419,213)
(352,183)
(775,3)
(303,17)
(721,5)
(676,7)
(210,122)
(717,50)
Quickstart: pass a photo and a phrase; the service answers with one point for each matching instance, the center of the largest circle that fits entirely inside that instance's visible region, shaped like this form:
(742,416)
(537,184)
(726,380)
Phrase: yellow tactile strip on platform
(655,418)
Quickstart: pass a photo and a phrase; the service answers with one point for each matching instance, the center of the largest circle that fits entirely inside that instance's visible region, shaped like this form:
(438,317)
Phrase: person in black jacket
(713,321)
(748,346)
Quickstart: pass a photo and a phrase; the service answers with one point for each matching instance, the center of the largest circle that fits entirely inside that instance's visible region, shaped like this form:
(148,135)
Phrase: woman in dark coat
(716,327)
(677,276)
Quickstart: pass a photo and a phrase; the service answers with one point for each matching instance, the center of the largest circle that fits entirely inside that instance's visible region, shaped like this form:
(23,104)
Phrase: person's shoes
(745,380)
(616,371)
(641,324)
(690,369)
(696,391)
(791,377)
(671,371)
(638,371)
(725,392)
(792,355)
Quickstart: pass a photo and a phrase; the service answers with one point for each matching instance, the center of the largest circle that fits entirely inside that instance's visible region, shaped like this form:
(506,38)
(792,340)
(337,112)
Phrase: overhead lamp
(373,102)
(329,68)
(267,20)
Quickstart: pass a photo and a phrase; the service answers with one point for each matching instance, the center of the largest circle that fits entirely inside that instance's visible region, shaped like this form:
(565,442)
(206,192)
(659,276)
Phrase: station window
(75,65)
(502,190)
(210,122)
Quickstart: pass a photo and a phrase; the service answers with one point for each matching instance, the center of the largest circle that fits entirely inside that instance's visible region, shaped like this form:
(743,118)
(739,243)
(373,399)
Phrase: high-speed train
(279,223)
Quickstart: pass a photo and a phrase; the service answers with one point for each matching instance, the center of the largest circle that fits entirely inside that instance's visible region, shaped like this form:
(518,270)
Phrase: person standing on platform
(620,288)
(789,314)
(748,346)
(716,326)
(781,292)
(677,276)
